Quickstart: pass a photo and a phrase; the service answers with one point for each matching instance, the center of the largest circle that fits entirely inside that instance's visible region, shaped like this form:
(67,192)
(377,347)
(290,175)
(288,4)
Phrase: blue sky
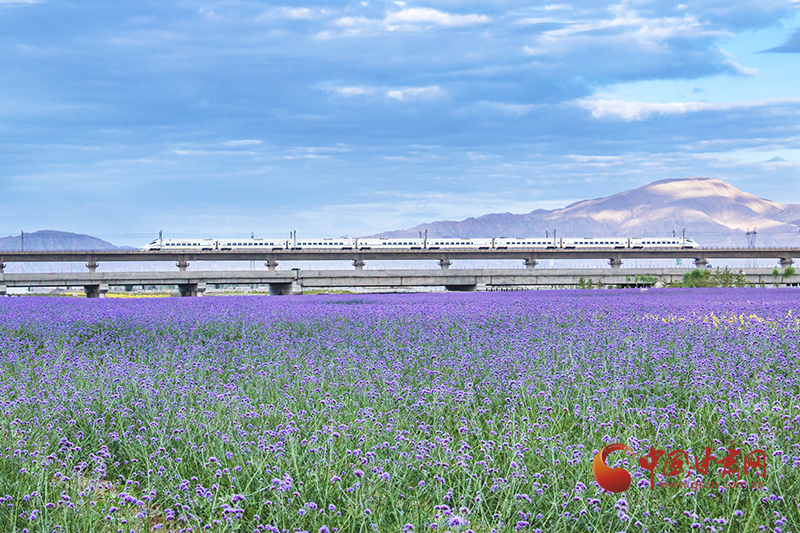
(217,118)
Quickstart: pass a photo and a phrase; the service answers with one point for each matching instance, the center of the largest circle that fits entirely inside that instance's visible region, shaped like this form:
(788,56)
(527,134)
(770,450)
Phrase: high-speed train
(433,243)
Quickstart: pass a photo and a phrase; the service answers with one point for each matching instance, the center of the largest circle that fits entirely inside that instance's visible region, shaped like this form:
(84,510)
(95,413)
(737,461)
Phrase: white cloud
(213,152)
(292,13)
(623,28)
(529,21)
(423,15)
(242,142)
(560,7)
(415,93)
(507,109)
(349,22)
(297,13)
(742,70)
(404,94)
(350,91)
(634,110)
(410,19)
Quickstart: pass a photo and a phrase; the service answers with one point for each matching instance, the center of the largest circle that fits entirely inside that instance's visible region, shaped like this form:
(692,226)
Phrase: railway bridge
(194,283)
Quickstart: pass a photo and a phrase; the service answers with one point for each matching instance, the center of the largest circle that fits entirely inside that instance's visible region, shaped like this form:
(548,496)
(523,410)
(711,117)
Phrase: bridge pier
(531,263)
(615,262)
(444,264)
(92,265)
(700,262)
(192,289)
(359,264)
(2,267)
(285,289)
(786,262)
(96,291)
(182,265)
(461,288)
(271,264)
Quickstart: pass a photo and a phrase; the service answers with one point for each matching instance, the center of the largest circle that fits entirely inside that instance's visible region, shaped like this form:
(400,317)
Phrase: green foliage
(724,278)
(776,273)
(741,280)
(697,278)
(720,278)
(644,279)
(788,272)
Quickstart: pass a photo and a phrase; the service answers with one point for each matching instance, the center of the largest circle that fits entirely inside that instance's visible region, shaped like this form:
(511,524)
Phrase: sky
(222,118)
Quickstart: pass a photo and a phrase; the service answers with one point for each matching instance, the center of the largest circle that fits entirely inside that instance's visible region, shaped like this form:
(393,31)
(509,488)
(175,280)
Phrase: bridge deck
(367,255)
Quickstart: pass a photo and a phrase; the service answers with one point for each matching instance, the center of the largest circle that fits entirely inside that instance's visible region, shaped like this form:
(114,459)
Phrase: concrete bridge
(96,284)
(444,257)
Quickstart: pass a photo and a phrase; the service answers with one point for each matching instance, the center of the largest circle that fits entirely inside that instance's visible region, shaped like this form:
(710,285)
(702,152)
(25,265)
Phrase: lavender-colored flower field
(395,413)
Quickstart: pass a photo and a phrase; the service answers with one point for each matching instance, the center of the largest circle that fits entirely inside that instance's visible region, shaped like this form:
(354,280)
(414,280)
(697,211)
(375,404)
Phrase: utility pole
(751,237)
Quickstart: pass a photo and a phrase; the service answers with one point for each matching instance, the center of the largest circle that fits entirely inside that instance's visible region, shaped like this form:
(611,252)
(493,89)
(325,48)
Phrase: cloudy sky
(222,117)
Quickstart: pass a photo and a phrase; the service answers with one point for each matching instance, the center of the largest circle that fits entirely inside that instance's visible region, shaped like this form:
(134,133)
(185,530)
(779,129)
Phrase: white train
(433,243)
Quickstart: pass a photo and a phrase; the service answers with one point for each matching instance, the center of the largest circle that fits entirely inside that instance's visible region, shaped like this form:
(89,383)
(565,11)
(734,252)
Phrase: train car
(341,243)
(662,243)
(179,245)
(456,243)
(435,243)
(524,243)
(391,244)
(613,243)
(244,245)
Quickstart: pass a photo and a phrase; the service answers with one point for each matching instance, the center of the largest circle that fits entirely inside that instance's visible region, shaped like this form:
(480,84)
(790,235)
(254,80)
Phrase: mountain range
(55,241)
(711,211)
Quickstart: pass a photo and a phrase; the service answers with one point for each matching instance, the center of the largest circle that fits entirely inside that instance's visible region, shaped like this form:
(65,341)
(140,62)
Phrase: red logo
(611,479)
(678,463)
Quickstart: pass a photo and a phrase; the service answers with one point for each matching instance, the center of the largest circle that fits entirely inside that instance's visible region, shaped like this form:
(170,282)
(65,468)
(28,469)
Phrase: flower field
(393,413)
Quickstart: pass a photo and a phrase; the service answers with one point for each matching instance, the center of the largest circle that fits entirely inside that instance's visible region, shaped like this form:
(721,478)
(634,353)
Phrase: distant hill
(711,211)
(57,241)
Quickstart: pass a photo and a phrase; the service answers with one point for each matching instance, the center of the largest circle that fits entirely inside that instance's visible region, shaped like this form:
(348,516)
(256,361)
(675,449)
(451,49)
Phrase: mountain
(712,212)
(56,241)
